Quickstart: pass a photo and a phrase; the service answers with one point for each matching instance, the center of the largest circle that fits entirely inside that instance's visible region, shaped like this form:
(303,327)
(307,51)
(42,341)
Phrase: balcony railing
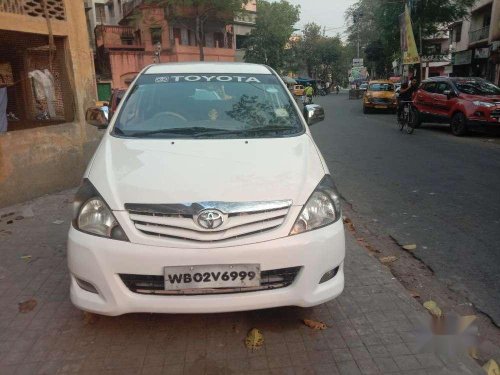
(479,34)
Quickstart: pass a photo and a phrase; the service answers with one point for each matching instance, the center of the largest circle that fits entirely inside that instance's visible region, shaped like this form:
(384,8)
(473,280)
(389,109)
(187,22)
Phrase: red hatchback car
(464,103)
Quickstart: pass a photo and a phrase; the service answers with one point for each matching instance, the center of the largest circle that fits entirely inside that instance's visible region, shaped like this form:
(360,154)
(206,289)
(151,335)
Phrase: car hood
(185,171)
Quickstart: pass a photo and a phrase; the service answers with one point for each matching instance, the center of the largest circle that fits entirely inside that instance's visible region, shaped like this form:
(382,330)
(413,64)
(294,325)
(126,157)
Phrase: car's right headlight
(92,215)
(321,209)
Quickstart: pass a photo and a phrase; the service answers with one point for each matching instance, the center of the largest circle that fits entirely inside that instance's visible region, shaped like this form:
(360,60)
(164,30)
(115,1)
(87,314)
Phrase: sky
(328,13)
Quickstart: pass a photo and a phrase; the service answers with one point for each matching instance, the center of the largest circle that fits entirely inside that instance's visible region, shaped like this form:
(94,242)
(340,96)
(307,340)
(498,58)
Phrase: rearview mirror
(314,113)
(96,116)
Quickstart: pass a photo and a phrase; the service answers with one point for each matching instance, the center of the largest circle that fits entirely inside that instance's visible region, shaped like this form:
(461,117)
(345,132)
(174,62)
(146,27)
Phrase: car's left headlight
(483,104)
(92,215)
(321,209)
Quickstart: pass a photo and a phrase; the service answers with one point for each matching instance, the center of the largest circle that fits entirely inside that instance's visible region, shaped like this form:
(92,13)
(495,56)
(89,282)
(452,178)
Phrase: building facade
(46,81)
(149,34)
(476,42)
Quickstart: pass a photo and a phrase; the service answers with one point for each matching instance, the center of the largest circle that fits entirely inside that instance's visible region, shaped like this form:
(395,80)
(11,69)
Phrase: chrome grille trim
(155,284)
(177,221)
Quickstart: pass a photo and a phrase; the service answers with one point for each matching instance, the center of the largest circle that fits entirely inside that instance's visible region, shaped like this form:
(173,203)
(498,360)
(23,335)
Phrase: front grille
(178,221)
(154,284)
(381,101)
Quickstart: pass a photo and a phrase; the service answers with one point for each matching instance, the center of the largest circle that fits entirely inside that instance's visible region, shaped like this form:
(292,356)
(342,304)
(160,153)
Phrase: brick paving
(371,326)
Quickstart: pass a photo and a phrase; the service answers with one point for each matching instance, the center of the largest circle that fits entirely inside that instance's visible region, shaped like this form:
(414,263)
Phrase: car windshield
(477,87)
(207,105)
(381,87)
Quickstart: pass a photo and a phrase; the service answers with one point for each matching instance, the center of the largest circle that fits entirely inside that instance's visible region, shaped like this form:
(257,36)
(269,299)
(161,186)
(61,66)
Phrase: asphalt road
(431,188)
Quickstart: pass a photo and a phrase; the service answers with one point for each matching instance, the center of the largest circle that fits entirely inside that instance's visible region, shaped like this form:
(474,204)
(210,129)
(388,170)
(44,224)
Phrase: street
(431,189)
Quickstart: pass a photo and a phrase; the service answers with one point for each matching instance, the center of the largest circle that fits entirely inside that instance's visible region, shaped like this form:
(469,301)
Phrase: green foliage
(267,42)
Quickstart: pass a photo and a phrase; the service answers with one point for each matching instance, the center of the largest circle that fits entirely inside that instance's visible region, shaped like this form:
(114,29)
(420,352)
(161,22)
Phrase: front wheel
(365,110)
(458,124)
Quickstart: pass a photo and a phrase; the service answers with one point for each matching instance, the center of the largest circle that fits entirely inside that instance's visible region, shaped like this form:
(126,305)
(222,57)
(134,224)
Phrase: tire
(458,124)
(417,119)
(365,110)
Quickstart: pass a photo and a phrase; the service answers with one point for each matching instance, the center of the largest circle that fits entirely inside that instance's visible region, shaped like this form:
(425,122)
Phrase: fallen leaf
(414,294)
(491,367)
(27,306)
(314,324)
(433,308)
(473,353)
(89,318)
(27,258)
(410,247)
(58,222)
(254,339)
(349,224)
(388,259)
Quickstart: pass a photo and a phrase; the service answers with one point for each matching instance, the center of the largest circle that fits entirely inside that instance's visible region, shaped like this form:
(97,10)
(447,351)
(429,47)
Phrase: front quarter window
(208,105)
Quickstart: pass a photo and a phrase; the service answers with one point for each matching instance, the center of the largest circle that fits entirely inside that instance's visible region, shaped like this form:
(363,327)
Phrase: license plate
(212,276)
(380,106)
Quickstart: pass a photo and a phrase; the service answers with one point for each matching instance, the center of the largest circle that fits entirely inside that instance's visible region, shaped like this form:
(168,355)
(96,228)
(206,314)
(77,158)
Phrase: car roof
(380,81)
(208,67)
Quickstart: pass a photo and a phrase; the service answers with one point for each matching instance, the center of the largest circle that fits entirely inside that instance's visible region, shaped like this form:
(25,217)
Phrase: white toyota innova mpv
(207,194)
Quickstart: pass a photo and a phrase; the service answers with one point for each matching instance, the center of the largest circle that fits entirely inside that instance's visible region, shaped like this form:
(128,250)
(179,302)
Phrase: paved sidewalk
(371,325)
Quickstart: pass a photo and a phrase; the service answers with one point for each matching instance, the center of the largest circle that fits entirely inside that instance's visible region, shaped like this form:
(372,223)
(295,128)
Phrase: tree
(380,21)
(310,47)
(329,51)
(202,11)
(274,26)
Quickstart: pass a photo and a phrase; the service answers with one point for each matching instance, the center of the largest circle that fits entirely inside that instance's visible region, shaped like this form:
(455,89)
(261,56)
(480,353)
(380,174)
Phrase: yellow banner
(408,45)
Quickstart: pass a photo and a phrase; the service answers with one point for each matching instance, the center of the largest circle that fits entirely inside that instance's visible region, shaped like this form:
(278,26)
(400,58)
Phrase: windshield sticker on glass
(206,78)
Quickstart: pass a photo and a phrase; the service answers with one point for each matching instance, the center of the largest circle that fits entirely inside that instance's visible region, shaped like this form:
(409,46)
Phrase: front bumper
(368,104)
(100,261)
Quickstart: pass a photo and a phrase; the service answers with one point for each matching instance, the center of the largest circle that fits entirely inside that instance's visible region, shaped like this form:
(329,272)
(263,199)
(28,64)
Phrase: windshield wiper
(267,129)
(193,131)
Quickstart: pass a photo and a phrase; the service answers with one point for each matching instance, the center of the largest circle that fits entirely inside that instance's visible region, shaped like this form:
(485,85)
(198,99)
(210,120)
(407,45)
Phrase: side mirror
(314,113)
(449,93)
(97,116)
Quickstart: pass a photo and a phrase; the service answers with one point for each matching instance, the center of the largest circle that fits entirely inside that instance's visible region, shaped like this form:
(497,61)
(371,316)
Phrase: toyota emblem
(210,219)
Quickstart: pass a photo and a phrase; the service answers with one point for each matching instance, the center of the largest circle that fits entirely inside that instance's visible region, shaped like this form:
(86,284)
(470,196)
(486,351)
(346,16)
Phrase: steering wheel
(170,114)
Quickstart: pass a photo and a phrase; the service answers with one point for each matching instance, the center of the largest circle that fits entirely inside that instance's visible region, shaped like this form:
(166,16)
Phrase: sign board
(407,39)
(357,62)
(462,57)
(482,53)
(358,74)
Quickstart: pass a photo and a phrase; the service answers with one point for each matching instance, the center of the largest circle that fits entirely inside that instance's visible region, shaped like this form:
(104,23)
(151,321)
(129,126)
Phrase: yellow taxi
(380,94)
(298,90)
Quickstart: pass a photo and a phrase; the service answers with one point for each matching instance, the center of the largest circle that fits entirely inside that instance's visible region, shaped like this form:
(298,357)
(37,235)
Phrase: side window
(441,87)
(430,87)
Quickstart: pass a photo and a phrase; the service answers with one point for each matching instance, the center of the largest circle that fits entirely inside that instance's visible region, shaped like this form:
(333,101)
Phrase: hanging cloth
(43,83)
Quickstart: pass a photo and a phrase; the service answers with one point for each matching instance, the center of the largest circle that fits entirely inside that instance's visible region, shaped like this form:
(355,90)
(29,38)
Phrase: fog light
(117,233)
(85,285)
(329,275)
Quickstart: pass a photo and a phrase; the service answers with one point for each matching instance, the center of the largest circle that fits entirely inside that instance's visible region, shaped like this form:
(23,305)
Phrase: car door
(425,97)
(442,103)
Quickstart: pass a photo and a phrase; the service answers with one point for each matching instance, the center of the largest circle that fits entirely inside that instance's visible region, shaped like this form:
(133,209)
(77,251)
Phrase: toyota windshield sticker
(206,78)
